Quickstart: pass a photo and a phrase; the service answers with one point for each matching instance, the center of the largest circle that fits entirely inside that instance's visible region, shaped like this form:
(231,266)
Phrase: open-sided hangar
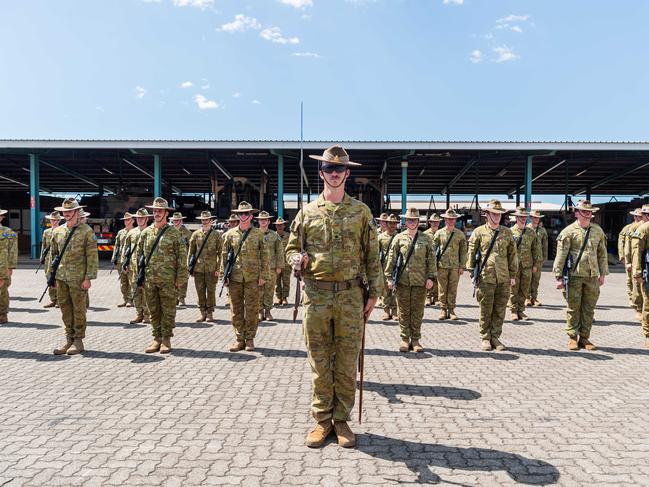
(265,172)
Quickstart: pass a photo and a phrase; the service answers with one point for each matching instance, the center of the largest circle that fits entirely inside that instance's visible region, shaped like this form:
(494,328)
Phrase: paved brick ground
(536,414)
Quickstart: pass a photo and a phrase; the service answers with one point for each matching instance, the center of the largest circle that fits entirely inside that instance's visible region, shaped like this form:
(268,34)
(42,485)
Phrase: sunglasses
(329,168)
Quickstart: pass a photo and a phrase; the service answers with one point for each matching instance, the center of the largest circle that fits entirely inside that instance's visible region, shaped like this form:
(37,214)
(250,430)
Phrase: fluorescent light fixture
(14,181)
(502,172)
(580,173)
(135,166)
(108,171)
(221,168)
(187,171)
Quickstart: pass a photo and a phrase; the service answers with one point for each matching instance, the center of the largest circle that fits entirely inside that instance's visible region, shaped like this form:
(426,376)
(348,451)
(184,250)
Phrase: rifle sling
(65,244)
(445,246)
(203,244)
(581,251)
(388,249)
(518,244)
(154,246)
(410,250)
(245,236)
(491,246)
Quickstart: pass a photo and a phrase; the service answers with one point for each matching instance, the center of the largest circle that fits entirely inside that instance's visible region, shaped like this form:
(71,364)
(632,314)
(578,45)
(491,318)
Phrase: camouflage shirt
(527,249)
(186,235)
(542,236)
(455,255)
(252,262)
(80,259)
(594,261)
(622,238)
(503,261)
(120,242)
(340,241)
(45,245)
(8,251)
(385,242)
(210,258)
(273,244)
(130,242)
(284,240)
(640,243)
(629,248)
(168,263)
(421,265)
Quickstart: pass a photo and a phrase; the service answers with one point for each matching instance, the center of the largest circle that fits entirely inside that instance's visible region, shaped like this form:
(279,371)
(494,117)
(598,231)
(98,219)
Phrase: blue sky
(365,69)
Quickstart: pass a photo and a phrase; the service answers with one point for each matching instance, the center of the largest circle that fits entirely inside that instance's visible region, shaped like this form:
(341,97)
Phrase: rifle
(477,270)
(297,269)
(645,268)
(127,258)
(227,269)
(51,279)
(114,259)
(192,260)
(361,357)
(396,271)
(142,262)
(565,275)
(43,257)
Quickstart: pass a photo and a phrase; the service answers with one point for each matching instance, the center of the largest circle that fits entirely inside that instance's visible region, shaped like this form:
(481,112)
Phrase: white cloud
(140,92)
(301,4)
(307,54)
(152,1)
(206,86)
(453,2)
(274,34)
(513,18)
(186,84)
(201,4)
(256,102)
(476,56)
(236,95)
(203,103)
(505,54)
(241,23)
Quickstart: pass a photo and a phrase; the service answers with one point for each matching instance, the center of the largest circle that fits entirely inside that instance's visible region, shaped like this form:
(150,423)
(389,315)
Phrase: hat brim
(60,208)
(407,217)
(446,215)
(47,217)
(270,217)
(279,223)
(536,216)
(151,207)
(520,214)
(493,210)
(592,210)
(205,217)
(177,218)
(251,210)
(335,163)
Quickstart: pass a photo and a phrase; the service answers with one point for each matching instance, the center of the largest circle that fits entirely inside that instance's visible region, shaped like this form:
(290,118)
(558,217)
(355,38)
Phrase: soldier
(333,241)
(433,222)
(542,236)
(585,243)
(233,221)
(205,251)
(633,289)
(120,243)
(76,246)
(165,261)
(46,254)
(132,238)
(250,271)
(383,223)
(8,262)
(185,234)
(389,298)
(494,245)
(640,267)
(381,229)
(529,259)
(284,279)
(276,261)
(451,248)
(416,274)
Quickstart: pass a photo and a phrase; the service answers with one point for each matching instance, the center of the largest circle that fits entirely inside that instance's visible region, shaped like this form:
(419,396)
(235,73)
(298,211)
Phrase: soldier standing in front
(389,298)
(276,262)
(414,276)
(542,235)
(46,254)
(640,215)
(185,234)
(129,265)
(164,258)
(249,272)
(529,258)
(433,222)
(8,262)
(283,286)
(640,268)
(333,241)
(120,243)
(75,244)
(203,262)
(492,249)
(451,246)
(584,243)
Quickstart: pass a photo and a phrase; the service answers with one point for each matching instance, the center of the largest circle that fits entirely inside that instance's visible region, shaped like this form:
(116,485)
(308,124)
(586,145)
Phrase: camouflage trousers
(244,308)
(629,284)
(125,286)
(139,299)
(493,304)
(447,282)
(51,292)
(161,302)
(584,293)
(637,296)
(266,292)
(389,299)
(411,301)
(205,283)
(72,301)
(283,285)
(181,292)
(645,308)
(520,291)
(4,296)
(333,328)
(534,286)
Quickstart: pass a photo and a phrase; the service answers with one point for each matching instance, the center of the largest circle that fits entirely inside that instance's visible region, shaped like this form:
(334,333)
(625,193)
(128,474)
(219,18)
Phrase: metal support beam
(34,205)
(588,189)
(548,171)
(280,186)
(518,197)
(448,200)
(157,176)
(528,184)
(459,175)
(75,175)
(588,192)
(404,188)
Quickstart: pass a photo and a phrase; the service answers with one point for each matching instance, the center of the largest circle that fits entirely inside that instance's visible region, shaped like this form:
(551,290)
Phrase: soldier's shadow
(268,323)
(422,458)
(97,309)
(395,353)
(29,310)
(39,357)
(596,322)
(22,298)
(134,358)
(125,326)
(624,351)
(272,352)
(213,354)
(37,326)
(430,353)
(392,391)
(547,352)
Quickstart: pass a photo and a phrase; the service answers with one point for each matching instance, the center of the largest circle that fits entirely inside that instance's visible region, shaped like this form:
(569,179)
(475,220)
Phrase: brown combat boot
(165,347)
(572,343)
(262,315)
(345,435)
(76,348)
(486,345)
(404,346)
(51,304)
(182,302)
(202,318)
(147,319)
(586,344)
(129,305)
(638,316)
(285,301)
(386,316)
(416,346)
(210,316)
(646,343)
(318,435)
(138,319)
(269,317)
(278,302)
(515,316)
(4,319)
(537,303)
(523,316)
(529,302)
(429,302)
(452,315)
(121,305)
(498,345)
(442,315)
(155,345)
(237,346)
(250,345)
(64,348)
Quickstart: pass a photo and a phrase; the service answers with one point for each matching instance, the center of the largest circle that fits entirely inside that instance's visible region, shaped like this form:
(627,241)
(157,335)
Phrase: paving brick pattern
(536,414)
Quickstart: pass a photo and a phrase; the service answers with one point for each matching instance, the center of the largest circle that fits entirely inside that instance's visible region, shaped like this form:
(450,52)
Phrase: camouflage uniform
(640,243)
(340,242)
(139,299)
(243,284)
(411,289)
(207,265)
(166,267)
(432,293)
(8,262)
(47,260)
(275,249)
(124,282)
(448,268)
(542,236)
(493,289)
(79,262)
(635,296)
(584,285)
(283,286)
(185,236)
(529,255)
(385,240)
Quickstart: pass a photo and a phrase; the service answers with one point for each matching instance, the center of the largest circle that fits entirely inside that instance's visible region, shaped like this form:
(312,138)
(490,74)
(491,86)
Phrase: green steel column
(404,188)
(280,186)
(157,176)
(528,184)
(34,205)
